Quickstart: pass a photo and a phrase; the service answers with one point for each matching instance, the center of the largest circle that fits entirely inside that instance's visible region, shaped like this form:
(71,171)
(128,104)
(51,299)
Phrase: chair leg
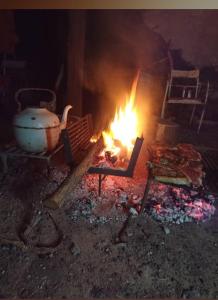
(164,102)
(163,111)
(201,119)
(192,115)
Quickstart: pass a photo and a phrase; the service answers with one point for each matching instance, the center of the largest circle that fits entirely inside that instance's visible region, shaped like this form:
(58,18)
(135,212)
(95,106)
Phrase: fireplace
(125,215)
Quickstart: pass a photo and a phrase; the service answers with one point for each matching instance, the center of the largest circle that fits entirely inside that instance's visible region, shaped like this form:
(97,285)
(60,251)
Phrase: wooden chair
(184,87)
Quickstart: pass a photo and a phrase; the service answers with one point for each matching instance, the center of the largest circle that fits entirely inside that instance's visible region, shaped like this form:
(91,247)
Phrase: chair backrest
(185,74)
(192,81)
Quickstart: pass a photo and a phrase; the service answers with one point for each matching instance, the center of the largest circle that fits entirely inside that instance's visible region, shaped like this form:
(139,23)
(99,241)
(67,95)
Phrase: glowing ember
(177,205)
(124,128)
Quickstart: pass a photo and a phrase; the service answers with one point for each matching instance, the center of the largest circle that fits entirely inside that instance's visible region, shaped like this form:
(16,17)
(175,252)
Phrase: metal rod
(147,188)
(100,179)
(99,185)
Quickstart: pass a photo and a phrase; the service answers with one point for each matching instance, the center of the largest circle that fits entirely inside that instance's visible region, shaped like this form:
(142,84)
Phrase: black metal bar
(67,147)
(99,185)
(108,171)
(134,156)
(100,179)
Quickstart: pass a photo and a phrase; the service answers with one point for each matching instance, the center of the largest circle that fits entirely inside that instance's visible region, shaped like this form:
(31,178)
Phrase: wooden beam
(59,196)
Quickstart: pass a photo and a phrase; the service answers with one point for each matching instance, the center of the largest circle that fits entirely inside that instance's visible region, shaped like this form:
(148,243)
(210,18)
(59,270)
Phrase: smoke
(118,45)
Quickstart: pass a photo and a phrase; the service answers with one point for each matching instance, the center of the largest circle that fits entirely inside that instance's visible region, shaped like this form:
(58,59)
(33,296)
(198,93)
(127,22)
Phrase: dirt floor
(77,255)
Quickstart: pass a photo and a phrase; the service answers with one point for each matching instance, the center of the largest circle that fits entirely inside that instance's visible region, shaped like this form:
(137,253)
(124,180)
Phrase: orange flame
(125,126)
(94,138)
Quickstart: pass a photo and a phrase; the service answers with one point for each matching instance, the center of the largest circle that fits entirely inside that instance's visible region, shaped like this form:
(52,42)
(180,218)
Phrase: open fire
(123,130)
(165,202)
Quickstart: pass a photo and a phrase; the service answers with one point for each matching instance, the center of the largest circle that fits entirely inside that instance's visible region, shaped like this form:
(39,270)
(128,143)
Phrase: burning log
(57,199)
(110,157)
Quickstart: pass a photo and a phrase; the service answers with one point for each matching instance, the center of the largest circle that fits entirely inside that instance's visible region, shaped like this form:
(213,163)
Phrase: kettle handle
(18,92)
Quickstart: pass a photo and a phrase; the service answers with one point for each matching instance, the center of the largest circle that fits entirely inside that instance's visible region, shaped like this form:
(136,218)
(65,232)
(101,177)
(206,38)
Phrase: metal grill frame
(103,172)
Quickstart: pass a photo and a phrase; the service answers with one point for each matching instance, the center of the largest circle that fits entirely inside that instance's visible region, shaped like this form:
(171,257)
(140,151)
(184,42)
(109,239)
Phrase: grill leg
(99,184)
(147,188)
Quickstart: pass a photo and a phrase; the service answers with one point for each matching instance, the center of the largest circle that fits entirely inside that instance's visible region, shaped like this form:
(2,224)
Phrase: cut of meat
(197,165)
(161,171)
(188,151)
(185,147)
(178,165)
(194,175)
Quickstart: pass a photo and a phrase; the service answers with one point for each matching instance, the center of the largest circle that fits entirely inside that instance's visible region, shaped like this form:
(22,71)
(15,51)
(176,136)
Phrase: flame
(124,128)
(94,138)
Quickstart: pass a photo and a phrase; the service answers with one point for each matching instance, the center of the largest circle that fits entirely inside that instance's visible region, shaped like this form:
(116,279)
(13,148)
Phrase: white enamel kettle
(37,129)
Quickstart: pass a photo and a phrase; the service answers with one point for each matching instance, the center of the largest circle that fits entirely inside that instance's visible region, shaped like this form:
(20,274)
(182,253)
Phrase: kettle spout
(64,117)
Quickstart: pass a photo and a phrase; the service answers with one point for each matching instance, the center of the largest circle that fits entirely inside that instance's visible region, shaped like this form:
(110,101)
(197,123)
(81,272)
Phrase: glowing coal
(179,205)
(123,196)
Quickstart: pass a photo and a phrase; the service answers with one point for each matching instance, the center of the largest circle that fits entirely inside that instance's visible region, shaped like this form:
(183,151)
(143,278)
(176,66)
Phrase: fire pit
(122,196)
(103,172)
(170,191)
(121,144)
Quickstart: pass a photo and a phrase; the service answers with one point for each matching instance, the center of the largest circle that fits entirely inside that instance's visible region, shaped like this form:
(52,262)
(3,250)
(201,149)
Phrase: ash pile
(120,196)
(179,205)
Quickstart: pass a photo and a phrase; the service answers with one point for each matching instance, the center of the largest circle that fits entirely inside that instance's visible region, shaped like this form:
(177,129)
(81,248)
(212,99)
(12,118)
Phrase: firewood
(57,198)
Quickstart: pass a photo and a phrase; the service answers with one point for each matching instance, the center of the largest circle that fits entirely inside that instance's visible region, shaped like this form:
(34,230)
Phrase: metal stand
(74,139)
(100,179)
(147,188)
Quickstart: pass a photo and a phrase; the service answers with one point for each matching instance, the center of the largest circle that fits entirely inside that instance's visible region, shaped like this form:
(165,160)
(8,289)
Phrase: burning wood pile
(176,192)
(118,157)
(120,137)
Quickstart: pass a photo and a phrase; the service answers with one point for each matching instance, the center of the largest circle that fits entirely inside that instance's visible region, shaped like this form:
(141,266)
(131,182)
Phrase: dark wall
(118,44)
(194,32)
(42,35)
